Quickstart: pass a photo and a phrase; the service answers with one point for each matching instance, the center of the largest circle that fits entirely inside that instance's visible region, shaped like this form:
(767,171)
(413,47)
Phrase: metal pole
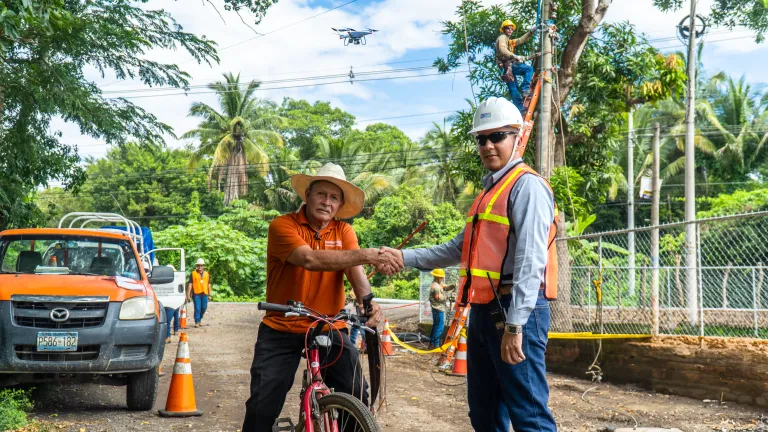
(655,188)
(600,276)
(690,167)
(545,103)
(701,282)
(754,302)
(631,201)
(589,295)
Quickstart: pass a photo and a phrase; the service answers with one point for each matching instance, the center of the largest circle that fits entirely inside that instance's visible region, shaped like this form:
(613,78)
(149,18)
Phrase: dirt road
(221,354)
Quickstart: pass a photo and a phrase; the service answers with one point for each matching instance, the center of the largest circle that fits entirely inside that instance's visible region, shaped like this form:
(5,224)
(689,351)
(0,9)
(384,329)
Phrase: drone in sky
(352,36)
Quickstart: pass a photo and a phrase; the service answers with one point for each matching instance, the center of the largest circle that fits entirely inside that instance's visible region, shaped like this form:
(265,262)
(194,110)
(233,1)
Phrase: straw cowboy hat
(354,197)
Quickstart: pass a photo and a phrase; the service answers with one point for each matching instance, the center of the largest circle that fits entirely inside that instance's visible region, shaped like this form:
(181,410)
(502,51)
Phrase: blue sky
(409,36)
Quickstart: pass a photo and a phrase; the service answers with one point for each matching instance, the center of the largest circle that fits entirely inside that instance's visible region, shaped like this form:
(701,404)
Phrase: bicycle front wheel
(349,414)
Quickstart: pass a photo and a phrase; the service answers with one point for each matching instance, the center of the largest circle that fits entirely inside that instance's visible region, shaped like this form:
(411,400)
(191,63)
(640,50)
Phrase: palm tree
(274,190)
(236,137)
(442,148)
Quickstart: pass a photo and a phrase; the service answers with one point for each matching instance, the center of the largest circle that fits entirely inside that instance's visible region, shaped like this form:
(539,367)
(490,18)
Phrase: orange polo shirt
(321,291)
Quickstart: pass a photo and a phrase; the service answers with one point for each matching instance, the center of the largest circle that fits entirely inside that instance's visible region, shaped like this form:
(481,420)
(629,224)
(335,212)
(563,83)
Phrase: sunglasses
(495,138)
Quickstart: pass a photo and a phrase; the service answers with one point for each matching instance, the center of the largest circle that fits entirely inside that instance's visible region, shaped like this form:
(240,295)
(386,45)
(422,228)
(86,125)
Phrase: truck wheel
(142,390)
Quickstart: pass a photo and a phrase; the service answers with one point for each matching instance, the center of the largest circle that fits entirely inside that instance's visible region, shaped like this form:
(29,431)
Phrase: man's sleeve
(445,255)
(532,214)
(502,48)
(349,238)
(283,238)
(523,39)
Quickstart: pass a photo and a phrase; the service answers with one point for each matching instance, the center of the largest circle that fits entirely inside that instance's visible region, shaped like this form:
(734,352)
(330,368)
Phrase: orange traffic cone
(183,317)
(460,361)
(386,340)
(181,395)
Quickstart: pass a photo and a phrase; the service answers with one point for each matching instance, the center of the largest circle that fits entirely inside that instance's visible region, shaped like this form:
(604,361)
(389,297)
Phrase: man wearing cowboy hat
(309,253)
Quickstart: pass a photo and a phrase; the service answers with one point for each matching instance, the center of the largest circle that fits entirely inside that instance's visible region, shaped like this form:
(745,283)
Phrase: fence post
(600,276)
(655,190)
(589,295)
(700,281)
(754,302)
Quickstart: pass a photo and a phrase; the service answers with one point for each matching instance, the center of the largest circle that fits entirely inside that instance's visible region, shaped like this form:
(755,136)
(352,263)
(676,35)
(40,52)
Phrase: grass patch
(15,406)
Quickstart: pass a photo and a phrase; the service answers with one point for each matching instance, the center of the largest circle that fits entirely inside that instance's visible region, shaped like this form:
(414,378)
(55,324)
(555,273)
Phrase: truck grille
(37,314)
(83,353)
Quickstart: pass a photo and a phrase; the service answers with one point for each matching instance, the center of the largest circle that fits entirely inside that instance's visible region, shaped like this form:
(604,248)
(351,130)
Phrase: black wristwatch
(513,329)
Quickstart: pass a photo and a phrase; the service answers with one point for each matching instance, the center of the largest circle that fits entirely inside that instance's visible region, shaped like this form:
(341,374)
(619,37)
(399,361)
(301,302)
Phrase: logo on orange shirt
(333,244)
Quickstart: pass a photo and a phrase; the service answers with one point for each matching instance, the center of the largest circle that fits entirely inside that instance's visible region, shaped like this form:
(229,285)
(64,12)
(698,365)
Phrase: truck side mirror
(161,275)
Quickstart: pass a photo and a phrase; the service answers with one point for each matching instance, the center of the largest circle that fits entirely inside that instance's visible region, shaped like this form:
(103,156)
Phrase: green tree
(45,48)
(306,121)
(143,181)
(442,146)
(235,138)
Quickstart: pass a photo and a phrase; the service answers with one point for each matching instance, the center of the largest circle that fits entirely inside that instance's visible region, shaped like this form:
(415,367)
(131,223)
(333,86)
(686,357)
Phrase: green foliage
(735,203)
(752,14)
(307,121)
(399,289)
(248,218)
(15,405)
(233,259)
(45,49)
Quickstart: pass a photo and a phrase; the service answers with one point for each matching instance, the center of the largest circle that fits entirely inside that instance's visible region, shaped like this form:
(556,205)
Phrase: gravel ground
(417,399)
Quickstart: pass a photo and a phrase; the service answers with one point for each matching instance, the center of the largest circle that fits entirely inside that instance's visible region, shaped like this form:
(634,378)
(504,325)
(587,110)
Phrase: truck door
(172,294)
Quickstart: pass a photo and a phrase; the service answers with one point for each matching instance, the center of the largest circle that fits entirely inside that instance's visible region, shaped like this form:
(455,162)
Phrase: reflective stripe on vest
(200,285)
(486,243)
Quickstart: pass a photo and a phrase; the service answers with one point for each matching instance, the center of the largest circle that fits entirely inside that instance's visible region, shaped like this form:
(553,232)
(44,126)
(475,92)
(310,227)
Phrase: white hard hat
(200,261)
(494,113)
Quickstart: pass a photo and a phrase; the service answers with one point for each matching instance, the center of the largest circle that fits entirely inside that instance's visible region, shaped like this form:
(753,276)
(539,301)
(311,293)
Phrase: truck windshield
(61,254)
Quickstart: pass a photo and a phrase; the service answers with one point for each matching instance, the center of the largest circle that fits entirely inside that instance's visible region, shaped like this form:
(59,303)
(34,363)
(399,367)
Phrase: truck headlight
(136,308)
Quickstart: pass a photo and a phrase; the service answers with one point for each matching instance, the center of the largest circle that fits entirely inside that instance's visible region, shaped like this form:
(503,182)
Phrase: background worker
(509,270)
(438,299)
(199,290)
(512,65)
(309,253)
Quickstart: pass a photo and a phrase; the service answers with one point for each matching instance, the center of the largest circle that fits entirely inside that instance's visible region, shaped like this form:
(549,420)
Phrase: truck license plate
(57,341)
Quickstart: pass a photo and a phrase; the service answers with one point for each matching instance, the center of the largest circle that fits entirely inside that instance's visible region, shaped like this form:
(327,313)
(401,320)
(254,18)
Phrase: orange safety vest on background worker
(200,285)
(486,243)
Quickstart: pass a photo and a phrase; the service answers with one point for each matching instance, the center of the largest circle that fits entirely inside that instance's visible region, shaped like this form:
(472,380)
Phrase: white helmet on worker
(494,113)
(200,261)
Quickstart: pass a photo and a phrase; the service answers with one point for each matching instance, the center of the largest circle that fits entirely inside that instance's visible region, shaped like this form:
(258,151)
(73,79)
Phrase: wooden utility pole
(543,160)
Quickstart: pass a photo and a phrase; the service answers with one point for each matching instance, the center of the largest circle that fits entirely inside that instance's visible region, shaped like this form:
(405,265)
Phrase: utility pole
(655,191)
(631,200)
(542,149)
(690,174)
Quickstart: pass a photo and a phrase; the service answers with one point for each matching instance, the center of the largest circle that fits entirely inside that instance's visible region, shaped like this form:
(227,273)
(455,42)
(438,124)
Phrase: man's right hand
(394,261)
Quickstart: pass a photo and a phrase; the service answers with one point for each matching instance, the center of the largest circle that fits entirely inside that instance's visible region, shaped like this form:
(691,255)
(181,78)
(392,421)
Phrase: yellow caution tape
(439,349)
(554,335)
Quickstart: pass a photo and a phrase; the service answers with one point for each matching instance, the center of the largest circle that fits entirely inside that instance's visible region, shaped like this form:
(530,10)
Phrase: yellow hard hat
(438,273)
(507,23)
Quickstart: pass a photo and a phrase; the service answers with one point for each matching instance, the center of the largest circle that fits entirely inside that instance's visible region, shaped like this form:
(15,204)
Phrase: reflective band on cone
(386,340)
(183,317)
(181,395)
(460,361)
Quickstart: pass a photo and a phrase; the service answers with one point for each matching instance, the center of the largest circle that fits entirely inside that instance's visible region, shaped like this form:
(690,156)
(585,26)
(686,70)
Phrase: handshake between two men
(389,261)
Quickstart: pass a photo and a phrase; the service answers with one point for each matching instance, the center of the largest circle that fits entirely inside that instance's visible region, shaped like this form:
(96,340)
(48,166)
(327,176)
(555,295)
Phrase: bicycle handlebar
(275,307)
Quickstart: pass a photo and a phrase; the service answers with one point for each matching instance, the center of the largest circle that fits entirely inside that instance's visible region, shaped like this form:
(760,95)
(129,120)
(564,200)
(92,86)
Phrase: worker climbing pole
(512,65)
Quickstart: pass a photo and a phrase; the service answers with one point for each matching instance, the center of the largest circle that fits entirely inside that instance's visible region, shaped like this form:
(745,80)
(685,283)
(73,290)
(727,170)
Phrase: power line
(265,34)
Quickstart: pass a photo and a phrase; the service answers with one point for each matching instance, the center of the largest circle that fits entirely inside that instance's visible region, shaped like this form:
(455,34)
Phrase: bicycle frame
(314,387)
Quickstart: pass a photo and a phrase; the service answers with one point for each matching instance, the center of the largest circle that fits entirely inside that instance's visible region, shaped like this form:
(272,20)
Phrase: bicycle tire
(364,421)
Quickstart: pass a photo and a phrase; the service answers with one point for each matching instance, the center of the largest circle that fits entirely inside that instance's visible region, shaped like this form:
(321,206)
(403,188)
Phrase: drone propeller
(372,30)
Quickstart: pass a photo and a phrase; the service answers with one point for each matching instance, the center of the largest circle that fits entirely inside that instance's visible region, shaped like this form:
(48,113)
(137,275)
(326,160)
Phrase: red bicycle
(322,410)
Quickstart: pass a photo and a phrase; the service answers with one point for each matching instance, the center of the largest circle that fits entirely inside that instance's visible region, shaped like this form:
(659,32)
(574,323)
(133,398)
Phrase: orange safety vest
(486,243)
(200,285)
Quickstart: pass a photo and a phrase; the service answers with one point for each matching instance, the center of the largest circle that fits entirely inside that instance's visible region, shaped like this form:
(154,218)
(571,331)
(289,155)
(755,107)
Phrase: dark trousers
(499,393)
(275,360)
(526,73)
(438,323)
(201,305)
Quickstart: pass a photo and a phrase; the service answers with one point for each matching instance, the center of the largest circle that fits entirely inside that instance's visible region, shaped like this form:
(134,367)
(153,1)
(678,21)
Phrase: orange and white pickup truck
(77,305)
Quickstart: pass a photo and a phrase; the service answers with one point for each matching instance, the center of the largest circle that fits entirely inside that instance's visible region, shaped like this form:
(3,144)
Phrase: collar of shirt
(301,218)
(493,177)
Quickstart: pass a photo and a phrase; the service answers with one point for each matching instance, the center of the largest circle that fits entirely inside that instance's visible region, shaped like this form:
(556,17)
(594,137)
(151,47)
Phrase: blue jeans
(353,334)
(526,73)
(499,392)
(172,314)
(438,323)
(201,304)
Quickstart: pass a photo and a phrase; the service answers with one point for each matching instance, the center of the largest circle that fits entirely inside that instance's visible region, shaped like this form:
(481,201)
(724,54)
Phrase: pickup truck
(77,305)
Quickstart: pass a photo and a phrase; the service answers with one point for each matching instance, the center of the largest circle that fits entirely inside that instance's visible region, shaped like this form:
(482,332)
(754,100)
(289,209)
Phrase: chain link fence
(723,293)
